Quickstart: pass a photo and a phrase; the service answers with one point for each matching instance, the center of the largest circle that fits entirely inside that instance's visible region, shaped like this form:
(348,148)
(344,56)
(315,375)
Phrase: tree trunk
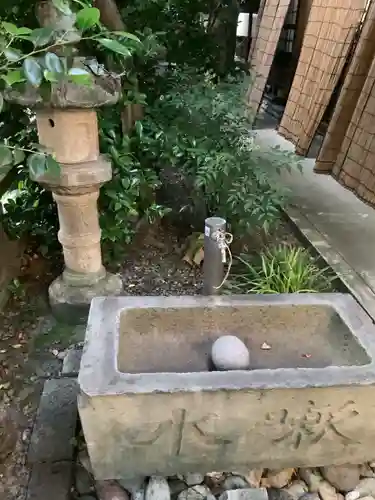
(224,31)
(111,18)
(110,14)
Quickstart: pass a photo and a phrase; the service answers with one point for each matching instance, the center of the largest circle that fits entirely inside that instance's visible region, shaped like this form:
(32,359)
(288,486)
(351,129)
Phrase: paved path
(339,225)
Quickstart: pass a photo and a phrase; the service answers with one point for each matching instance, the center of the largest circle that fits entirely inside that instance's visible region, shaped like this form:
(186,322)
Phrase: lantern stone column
(72,135)
(68,128)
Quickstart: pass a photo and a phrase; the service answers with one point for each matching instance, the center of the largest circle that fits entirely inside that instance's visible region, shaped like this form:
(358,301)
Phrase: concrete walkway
(337,224)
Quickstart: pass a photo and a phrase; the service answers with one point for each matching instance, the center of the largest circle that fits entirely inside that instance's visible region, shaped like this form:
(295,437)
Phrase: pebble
(327,491)
(245,494)
(278,494)
(312,478)
(277,478)
(343,477)
(110,490)
(297,489)
(365,487)
(157,489)
(254,477)
(367,498)
(176,485)
(133,485)
(215,481)
(199,492)
(310,496)
(191,478)
(72,361)
(139,494)
(235,483)
(230,353)
(366,471)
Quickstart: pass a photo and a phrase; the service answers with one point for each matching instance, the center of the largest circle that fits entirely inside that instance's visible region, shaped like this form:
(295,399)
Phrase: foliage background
(191,155)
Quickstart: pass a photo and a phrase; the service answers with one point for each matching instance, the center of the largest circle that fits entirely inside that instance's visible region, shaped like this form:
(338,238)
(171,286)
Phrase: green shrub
(282,269)
(199,131)
(131,194)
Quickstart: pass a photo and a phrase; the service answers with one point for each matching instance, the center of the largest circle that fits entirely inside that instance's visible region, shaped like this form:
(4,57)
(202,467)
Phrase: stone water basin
(149,404)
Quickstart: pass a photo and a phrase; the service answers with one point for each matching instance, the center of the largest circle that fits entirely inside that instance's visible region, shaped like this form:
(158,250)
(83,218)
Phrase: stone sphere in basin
(230,353)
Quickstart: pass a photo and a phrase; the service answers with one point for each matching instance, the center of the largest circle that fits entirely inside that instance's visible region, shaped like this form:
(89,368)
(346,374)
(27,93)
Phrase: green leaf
(87,18)
(125,34)
(53,63)
(139,128)
(41,36)
(62,6)
(18,156)
(10,28)
(50,77)
(6,157)
(24,31)
(80,76)
(13,77)
(12,55)
(114,46)
(37,164)
(33,71)
(45,90)
(53,167)
(1,102)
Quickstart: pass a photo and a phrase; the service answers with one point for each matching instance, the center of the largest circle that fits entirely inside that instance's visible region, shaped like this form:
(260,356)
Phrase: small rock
(310,496)
(245,494)
(83,480)
(110,490)
(342,477)
(254,477)
(327,491)
(139,494)
(372,465)
(191,478)
(230,353)
(277,478)
(235,483)
(312,478)
(215,481)
(297,489)
(278,494)
(157,489)
(72,361)
(133,485)
(365,487)
(367,498)
(61,355)
(199,492)
(366,471)
(352,495)
(176,485)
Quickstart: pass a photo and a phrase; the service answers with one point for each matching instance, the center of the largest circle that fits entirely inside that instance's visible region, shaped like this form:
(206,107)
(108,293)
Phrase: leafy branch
(51,61)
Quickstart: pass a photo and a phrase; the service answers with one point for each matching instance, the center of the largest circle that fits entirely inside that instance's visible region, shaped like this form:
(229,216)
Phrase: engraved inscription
(179,430)
(312,425)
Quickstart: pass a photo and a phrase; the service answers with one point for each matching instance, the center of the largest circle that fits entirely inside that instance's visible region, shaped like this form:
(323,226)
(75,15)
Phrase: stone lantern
(67,126)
